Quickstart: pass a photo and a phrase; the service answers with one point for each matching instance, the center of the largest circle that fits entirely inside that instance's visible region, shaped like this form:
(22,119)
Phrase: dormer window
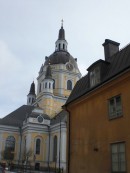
(94,76)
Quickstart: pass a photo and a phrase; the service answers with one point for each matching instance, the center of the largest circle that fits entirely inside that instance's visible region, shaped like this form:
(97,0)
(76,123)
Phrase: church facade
(35,134)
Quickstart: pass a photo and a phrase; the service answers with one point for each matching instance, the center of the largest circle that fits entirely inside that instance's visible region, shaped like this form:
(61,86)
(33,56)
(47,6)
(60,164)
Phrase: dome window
(69,85)
(49,85)
(54,84)
(40,87)
(46,85)
(59,46)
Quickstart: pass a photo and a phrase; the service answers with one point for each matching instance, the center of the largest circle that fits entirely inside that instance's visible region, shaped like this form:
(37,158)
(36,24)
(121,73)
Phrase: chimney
(110,48)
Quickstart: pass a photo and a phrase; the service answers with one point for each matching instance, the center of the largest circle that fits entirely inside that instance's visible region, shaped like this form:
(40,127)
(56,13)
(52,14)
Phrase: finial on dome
(62,23)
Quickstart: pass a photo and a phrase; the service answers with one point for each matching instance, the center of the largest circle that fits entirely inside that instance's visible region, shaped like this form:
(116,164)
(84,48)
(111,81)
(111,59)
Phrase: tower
(48,81)
(31,97)
(57,77)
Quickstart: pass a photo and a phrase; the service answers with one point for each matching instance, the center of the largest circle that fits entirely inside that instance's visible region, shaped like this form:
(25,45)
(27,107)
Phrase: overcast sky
(29,29)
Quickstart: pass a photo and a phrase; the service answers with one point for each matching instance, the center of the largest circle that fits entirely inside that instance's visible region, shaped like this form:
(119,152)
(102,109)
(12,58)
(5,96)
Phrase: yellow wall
(91,128)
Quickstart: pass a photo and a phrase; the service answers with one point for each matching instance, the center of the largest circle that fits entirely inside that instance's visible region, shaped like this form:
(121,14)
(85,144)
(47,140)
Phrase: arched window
(54,84)
(46,85)
(10,143)
(69,85)
(55,149)
(63,46)
(38,144)
(59,46)
(9,148)
(49,85)
(40,87)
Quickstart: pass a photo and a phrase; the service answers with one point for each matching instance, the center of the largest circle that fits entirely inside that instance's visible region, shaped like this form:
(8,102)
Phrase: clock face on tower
(69,66)
(40,119)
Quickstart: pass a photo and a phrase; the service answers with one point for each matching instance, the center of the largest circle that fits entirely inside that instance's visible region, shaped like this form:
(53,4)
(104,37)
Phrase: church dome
(60,57)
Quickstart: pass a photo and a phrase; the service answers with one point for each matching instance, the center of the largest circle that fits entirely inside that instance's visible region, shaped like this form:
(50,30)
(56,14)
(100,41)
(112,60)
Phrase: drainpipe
(68,138)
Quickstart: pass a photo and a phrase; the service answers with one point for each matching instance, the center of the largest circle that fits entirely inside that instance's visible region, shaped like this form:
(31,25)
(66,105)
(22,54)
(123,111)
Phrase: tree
(26,155)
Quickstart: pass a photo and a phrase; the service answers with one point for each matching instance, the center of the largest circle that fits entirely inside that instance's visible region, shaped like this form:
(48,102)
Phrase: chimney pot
(110,48)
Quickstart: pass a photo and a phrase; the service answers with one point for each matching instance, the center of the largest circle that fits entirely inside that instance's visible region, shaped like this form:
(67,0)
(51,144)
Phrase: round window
(40,119)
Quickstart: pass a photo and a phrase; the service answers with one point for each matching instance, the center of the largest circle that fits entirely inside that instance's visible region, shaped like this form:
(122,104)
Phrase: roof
(32,88)
(61,34)
(60,57)
(61,116)
(117,64)
(35,115)
(17,117)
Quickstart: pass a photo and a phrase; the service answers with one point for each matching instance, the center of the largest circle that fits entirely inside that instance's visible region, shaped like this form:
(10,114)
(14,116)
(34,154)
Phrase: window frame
(115,113)
(55,148)
(118,157)
(69,85)
(10,143)
(95,77)
(38,151)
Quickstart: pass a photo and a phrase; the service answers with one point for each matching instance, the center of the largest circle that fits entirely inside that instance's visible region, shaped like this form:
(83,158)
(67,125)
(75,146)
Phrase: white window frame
(115,110)
(118,157)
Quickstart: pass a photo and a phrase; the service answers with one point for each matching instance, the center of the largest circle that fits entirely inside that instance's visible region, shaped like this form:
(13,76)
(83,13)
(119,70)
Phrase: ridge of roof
(118,63)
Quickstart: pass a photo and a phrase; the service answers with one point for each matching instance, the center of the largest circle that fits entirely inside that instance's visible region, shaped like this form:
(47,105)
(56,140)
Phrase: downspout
(20,131)
(68,138)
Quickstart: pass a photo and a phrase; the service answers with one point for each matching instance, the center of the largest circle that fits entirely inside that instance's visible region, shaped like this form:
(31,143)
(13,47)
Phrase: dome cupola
(61,43)
(31,97)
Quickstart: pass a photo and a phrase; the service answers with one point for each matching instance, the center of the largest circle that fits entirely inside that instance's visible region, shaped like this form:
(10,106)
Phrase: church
(35,134)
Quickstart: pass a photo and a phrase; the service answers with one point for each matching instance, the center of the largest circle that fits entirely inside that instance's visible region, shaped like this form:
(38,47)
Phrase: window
(118,157)
(49,85)
(115,107)
(94,76)
(69,85)
(46,85)
(9,148)
(54,84)
(63,46)
(40,87)
(55,149)
(38,143)
(59,46)
(10,143)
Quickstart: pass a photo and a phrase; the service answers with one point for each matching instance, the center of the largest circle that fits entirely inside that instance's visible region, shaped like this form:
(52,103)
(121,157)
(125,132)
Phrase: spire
(48,74)
(61,43)
(32,88)
(61,32)
(31,97)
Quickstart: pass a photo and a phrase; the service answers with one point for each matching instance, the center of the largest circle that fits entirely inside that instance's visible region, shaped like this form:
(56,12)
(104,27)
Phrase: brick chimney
(110,48)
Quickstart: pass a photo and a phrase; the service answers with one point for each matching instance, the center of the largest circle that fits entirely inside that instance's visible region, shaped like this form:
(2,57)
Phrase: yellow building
(34,135)
(99,115)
